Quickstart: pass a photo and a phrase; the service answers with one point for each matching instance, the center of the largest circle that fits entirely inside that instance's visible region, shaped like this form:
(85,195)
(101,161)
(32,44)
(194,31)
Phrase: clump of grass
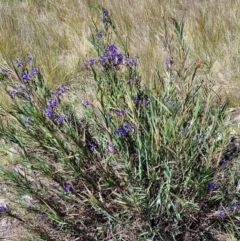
(144,162)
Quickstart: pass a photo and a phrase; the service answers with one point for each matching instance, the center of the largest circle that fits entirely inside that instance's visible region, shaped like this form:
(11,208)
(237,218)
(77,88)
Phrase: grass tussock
(117,125)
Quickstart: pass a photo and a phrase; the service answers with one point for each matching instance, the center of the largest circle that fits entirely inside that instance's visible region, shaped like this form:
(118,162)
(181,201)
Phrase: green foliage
(138,163)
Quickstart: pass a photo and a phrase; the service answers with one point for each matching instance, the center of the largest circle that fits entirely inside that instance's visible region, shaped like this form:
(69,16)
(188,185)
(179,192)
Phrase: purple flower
(64,89)
(59,91)
(105,12)
(67,187)
(19,63)
(60,119)
(112,49)
(121,132)
(212,185)
(26,120)
(148,101)
(110,148)
(93,146)
(12,93)
(2,207)
(35,71)
(222,160)
(221,213)
(39,217)
(135,99)
(168,99)
(52,103)
(124,129)
(85,102)
(131,61)
(128,127)
(26,75)
(169,62)
(91,61)
(5,71)
(99,34)
(30,58)
(49,112)
(233,206)
(120,112)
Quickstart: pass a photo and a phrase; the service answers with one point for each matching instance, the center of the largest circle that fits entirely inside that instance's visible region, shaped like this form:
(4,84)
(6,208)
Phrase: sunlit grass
(55,32)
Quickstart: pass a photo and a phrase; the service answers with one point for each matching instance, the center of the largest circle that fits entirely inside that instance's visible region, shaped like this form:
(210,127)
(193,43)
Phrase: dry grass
(55,33)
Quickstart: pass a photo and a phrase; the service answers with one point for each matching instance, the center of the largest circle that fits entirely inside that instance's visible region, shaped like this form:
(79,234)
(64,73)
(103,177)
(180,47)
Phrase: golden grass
(55,33)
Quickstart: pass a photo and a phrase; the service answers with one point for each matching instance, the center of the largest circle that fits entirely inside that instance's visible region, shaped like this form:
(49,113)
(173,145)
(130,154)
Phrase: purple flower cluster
(26,73)
(223,214)
(52,103)
(111,58)
(124,129)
